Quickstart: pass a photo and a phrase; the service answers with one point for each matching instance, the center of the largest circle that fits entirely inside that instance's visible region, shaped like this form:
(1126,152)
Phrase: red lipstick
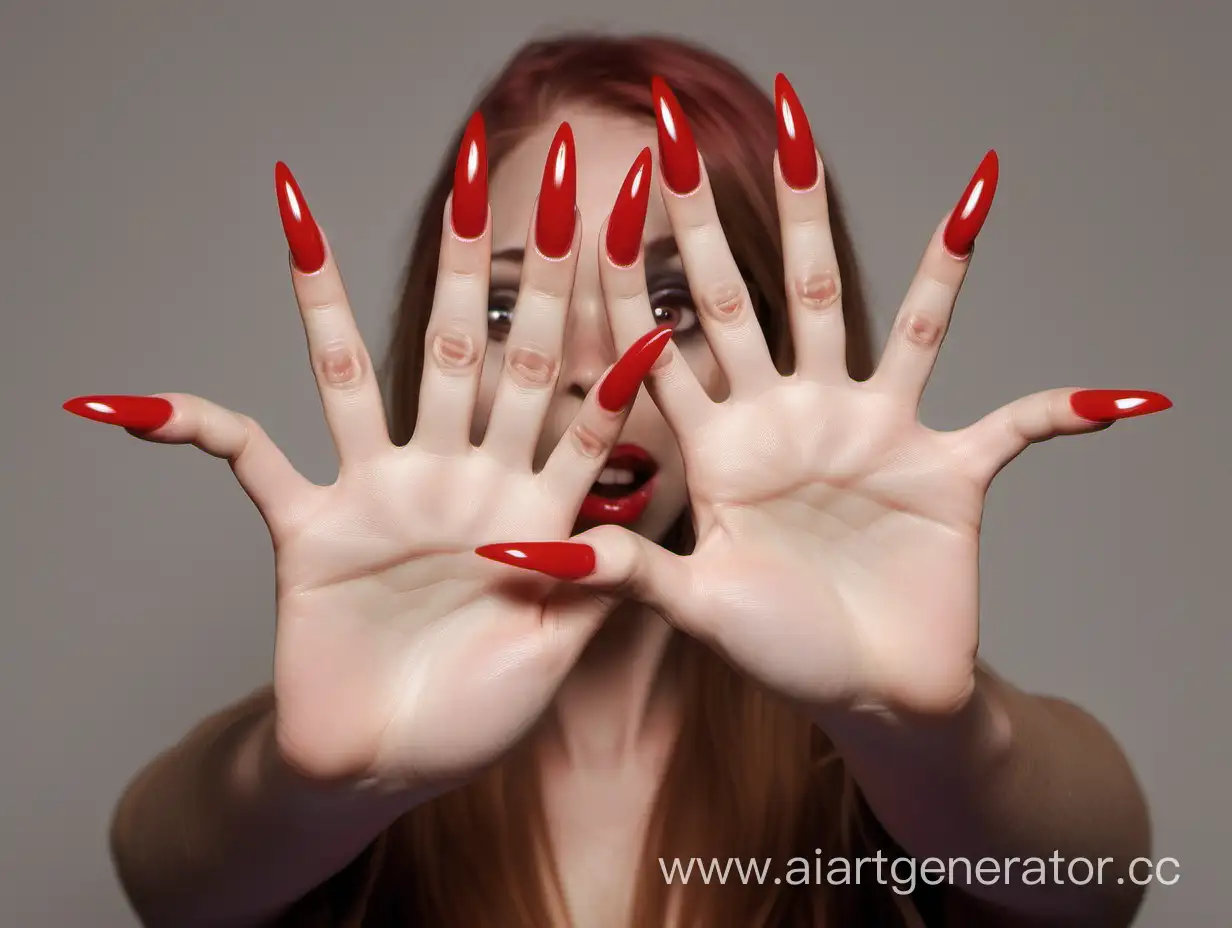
(623,490)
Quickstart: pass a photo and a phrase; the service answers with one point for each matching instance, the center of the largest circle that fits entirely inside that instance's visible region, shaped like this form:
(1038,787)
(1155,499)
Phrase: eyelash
(664,299)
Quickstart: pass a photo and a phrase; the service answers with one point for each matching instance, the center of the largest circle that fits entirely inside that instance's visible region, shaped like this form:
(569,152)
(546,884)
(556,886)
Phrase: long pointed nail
(1109,405)
(969,214)
(557,213)
(628,219)
(303,235)
(470,182)
(564,560)
(625,378)
(797,152)
(677,149)
(143,413)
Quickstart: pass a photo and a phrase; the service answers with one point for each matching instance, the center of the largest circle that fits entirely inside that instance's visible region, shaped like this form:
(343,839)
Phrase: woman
(760,640)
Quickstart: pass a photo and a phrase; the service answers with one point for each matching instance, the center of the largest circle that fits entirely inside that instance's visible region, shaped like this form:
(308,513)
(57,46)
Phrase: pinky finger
(1002,435)
(181,419)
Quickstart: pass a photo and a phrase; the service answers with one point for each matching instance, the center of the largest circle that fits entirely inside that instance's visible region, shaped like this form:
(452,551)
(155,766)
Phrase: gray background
(142,253)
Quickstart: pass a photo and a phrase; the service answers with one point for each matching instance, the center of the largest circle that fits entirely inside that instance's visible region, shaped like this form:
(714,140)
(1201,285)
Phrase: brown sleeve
(342,900)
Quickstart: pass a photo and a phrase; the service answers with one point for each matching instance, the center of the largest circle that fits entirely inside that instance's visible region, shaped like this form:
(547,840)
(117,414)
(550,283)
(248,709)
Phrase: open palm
(837,537)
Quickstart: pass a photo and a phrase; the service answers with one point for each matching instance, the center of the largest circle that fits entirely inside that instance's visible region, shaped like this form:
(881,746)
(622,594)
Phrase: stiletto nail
(797,153)
(470,182)
(622,382)
(1109,405)
(628,219)
(557,211)
(144,413)
(564,560)
(968,216)
(303,235)
(677,151)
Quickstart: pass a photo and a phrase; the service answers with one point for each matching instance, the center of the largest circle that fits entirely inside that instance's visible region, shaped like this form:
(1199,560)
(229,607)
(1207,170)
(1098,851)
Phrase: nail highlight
(625,378)
(972,209)
(628,219)
(1109,405)
(797,152)
(469,209)
(677,151)
(303,235)
(143,413)
(557,213)
(564,560)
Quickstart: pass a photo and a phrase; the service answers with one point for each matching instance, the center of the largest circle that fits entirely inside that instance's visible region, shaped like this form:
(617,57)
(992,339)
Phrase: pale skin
(836,563)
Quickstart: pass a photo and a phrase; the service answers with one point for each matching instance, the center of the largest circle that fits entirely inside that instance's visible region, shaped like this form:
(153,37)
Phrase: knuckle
(454,352)
(726,301)
(339,365)
(922,331)
(589,442)
(530,367)
(820,290)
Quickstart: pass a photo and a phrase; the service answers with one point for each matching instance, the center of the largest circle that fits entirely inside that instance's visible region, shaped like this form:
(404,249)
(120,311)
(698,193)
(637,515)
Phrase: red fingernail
(564,560)
(1108,405)
(622,382)
(303,235)
(968,216)
(677,151)
(628,219)
(144,413)
(470,182)
(557,197)
(797,153)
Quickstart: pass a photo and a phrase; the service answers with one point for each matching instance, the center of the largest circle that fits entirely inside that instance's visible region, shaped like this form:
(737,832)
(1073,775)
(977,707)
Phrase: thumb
(608,558)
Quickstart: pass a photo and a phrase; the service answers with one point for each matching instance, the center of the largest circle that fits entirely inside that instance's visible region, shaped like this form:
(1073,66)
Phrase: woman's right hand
(401,656)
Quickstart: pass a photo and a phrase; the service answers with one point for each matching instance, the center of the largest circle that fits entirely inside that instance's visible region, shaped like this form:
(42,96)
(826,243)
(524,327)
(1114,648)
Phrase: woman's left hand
(837,537)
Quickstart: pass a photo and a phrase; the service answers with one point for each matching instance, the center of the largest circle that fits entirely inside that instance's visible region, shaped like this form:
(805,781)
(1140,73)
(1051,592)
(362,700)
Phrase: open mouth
(624,488)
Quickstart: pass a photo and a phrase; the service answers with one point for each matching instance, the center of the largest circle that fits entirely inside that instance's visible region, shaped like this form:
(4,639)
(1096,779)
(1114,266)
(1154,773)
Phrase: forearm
(219,831)
(1010,776)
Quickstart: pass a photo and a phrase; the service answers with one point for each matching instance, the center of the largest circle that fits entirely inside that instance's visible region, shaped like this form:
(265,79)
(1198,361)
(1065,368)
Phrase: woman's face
(607,145)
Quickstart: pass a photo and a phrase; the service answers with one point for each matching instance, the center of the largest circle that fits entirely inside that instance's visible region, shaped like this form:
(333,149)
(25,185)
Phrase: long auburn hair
(748,776)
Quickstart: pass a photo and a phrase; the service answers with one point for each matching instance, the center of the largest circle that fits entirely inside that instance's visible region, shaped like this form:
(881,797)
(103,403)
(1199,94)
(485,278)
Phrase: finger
(726,310)
(925,315)
(622,278)
(536,338)
(1001,436)
(340,362)
(810,265)
(607,558)
(268,478)
(579,458)
(456,336)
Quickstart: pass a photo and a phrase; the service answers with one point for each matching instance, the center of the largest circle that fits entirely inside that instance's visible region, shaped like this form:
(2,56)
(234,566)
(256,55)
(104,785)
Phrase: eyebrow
(658,251)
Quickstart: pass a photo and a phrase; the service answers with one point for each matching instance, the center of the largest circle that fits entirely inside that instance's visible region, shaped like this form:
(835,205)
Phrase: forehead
(606,143)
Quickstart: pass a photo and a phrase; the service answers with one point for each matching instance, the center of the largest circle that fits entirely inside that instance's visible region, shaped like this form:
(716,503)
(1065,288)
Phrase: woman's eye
(500,315)
(674,309)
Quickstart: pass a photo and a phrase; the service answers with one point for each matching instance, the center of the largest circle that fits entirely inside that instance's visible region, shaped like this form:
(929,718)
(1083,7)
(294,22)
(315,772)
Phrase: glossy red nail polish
(555,218)
(143,413)
(677,151)
(303,236)
(470,182)
(622,382)
(564,560)
(968,216)
(1108,405)
(797,153)
(628,219)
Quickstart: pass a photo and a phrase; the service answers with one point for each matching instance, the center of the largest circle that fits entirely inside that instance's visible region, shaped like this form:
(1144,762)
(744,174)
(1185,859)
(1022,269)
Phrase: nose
(589,347)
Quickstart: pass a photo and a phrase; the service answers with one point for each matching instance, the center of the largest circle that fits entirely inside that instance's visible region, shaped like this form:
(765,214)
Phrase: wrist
(975,732)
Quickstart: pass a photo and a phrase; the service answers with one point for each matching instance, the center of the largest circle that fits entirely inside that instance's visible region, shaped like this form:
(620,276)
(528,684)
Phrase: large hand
(837,537)
(397,655)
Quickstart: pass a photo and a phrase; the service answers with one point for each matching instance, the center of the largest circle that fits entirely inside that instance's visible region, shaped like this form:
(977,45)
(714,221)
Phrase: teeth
(616,476)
